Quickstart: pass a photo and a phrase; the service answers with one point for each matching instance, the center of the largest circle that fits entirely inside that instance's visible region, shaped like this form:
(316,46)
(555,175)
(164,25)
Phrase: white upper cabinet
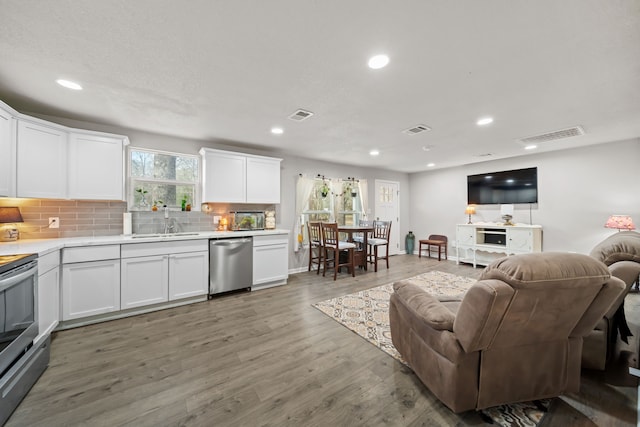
(263,180)
(224,176)
(239,178)
(96,166)
(8,150)
(42,161)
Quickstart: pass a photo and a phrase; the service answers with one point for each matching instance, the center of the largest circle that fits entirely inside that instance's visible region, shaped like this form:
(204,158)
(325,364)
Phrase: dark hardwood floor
(267,358)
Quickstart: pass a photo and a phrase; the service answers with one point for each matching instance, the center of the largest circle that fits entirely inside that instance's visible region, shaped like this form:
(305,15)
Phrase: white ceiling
(230,70)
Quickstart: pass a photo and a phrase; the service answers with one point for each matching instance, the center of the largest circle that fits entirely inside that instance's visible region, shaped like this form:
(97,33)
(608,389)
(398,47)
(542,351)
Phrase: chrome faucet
(168,226)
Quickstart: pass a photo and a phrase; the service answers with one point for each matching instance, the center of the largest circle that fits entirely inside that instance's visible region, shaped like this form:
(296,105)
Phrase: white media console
(483,243)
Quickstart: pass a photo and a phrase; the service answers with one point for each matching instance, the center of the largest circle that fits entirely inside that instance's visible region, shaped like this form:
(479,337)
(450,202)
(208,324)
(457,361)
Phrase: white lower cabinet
(144,281)
(90,281)
(188,275)
(159,272)
(48,294)
(90,288)
(270,260)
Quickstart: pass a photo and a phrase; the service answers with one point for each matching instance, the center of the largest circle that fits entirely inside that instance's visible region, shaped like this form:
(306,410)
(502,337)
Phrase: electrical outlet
(54,222)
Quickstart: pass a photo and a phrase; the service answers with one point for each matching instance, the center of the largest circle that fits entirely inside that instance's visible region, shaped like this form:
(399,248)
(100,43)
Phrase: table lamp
(621,222)
(470,210)
(8,217)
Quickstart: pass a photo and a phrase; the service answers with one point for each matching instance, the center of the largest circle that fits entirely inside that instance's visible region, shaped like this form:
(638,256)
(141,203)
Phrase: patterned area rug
(367,314)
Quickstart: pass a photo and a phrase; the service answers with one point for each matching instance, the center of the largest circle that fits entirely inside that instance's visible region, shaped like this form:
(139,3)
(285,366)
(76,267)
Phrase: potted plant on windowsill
(186,206)
(143,197)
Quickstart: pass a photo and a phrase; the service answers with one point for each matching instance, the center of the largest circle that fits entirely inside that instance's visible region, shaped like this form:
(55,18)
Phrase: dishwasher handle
(231,243)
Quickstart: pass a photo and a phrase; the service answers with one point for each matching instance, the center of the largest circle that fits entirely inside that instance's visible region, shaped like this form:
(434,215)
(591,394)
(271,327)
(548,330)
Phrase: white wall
(577,191)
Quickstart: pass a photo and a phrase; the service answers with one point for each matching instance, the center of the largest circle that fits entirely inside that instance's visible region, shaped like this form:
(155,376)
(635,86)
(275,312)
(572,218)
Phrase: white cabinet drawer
(48,262)
(133,250)
(272,239)
(90,253)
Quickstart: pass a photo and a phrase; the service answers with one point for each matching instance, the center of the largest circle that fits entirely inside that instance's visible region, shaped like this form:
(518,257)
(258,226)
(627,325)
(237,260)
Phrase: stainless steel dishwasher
(230,264)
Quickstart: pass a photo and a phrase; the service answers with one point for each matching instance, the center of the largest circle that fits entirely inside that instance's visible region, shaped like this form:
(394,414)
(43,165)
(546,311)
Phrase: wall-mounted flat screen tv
(506,187)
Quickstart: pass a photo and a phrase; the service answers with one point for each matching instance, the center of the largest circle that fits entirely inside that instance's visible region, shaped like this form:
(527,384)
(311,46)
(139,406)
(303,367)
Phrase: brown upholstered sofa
(516,335)
(621,253)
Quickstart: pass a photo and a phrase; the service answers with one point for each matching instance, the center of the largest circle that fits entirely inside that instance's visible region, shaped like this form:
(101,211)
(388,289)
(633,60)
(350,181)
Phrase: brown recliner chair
(515,335)
(621,253)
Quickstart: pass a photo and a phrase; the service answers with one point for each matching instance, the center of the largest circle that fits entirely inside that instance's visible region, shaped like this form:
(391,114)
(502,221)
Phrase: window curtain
(363,192)
(336,198)
(304,188)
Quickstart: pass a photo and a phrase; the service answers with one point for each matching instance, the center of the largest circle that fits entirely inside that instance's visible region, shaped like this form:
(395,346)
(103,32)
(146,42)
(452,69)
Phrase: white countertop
(44,246)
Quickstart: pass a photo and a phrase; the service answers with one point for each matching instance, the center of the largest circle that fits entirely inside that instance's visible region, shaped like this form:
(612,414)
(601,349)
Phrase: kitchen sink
(146,236)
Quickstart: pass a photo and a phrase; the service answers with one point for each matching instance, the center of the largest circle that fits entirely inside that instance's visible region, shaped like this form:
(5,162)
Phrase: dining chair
(379,237)
(332,245)
(315,245)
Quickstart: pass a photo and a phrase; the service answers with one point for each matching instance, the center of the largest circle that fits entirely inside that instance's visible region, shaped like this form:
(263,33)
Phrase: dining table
(361,255)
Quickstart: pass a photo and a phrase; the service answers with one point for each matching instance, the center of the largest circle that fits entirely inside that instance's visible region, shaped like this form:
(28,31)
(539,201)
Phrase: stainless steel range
(21,363)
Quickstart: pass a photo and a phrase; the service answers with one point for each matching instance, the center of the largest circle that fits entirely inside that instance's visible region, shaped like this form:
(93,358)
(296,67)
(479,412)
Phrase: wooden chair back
(329,234)
(381,229)
(315,235)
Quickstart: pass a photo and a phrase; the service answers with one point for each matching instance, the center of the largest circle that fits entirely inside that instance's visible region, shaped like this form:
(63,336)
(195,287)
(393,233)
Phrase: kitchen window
(162,178)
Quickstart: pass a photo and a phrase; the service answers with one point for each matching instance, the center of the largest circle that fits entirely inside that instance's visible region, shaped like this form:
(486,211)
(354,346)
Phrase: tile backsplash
(78,218)
(145,222)
(81,218)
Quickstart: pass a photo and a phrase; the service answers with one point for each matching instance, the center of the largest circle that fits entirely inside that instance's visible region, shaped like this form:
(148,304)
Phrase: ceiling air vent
(552,136)
(300,115)
(416,129)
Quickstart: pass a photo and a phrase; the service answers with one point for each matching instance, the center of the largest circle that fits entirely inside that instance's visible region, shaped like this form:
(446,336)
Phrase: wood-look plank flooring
(267,358)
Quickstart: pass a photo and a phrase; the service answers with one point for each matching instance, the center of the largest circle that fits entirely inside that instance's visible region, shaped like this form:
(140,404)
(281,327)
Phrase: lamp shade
(621,222)
(470,210)
(10,214)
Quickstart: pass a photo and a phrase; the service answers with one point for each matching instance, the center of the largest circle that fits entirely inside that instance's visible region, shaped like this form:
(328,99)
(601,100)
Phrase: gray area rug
(367,314)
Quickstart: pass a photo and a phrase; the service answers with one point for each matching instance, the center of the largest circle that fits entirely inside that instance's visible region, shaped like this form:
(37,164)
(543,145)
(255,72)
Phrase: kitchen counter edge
(45,246)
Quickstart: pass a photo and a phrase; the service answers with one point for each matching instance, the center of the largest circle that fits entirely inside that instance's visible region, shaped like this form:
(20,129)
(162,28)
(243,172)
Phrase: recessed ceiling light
(531,147)
(430,165)
(378,61)
(69,84)
(277,131)
(484,121)
(374,152)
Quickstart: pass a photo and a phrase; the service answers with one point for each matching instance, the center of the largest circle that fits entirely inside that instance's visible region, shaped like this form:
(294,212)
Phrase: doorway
(387,208)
